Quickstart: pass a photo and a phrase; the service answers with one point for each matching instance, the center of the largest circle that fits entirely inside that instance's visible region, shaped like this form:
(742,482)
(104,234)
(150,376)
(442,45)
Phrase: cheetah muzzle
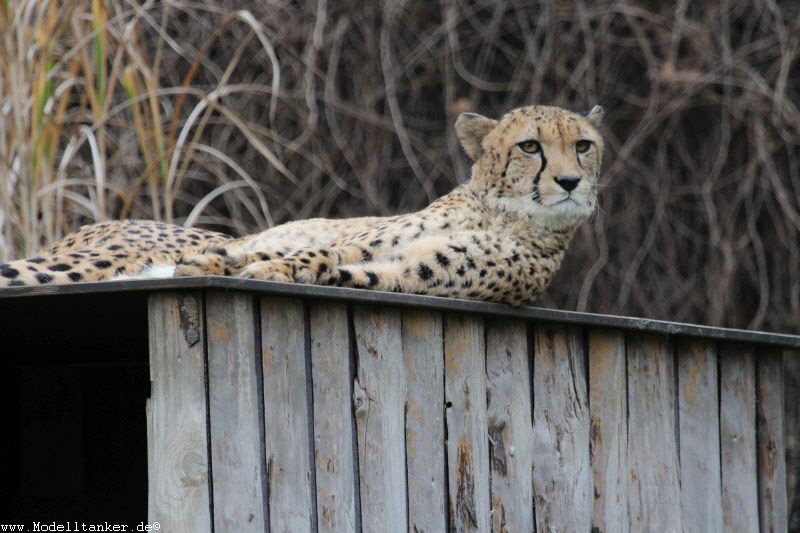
(499,237)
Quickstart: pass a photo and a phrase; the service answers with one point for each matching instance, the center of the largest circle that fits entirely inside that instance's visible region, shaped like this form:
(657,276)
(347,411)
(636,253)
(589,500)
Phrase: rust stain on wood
(499,523)
(218,330)
(464,512)
(190,319)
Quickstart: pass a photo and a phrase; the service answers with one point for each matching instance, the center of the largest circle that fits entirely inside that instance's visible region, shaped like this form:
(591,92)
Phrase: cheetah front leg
(218,261)
(315,265)
(470,265)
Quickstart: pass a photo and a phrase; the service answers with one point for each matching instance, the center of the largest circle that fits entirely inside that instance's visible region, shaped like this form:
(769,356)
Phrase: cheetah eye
(530,147)
(583,146)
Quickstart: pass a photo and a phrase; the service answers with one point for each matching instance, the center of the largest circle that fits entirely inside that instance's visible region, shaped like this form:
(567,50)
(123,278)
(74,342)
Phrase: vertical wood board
(737,414)
(771,452)
(791,429)
(467,425)
(379,393)
(510,430)
(333,423)
(179,495)
(608,404)
(286,416)
(654,481)
(425,445)
(562,480)
(698,408)
(234,403)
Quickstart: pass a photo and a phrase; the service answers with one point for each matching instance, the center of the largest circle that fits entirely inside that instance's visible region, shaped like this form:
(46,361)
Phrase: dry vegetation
(242,115)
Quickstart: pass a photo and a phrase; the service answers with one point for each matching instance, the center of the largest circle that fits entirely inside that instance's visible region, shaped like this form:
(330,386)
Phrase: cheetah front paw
(201,264)
(275,270)
(313,269)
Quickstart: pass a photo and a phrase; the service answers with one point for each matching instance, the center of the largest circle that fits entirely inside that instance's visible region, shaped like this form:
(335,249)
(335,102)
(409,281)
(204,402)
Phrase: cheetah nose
(568,183)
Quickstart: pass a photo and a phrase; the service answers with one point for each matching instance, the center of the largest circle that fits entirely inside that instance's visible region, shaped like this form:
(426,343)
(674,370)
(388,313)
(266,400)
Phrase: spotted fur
(499,237)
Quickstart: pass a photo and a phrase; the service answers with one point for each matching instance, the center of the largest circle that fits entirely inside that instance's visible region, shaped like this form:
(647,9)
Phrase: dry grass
(239,117)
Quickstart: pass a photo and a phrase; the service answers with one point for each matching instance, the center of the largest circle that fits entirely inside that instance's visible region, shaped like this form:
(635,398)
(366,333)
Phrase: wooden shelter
(228,405)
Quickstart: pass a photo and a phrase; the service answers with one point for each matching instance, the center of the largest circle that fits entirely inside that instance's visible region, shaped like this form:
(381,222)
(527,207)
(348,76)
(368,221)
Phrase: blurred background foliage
(242,115)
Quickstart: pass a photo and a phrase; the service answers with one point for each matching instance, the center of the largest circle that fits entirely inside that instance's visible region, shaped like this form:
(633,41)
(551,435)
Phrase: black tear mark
(580,164)
(541,169)
(537,196)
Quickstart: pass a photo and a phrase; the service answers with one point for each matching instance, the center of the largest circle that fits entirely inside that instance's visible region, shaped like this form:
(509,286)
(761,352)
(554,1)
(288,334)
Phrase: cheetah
(499,237)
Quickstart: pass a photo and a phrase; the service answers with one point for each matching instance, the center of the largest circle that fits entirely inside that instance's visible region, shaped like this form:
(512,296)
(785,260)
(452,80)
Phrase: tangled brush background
(238,116)
(243,115)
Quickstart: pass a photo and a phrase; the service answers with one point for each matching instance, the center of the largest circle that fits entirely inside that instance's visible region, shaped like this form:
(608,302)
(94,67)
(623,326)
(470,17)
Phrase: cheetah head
(541,161)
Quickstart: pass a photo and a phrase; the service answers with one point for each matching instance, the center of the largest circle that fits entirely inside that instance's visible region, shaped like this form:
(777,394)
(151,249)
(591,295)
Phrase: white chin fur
(556,217)
(158,271)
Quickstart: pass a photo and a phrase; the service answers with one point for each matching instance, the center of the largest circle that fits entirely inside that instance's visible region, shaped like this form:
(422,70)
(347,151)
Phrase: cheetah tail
(60,269)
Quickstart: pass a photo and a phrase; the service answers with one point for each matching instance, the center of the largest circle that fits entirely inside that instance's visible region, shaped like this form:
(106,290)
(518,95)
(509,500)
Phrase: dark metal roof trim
(409,300)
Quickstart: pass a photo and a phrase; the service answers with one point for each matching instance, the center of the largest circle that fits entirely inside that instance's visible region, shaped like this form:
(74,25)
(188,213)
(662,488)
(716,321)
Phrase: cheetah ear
(595,116)
(471,128)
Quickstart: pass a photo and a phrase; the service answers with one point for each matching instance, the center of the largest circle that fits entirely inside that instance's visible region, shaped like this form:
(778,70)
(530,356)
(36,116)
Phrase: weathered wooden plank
(379,393)
(791,429)
(234,401)
(698,407)
(425,447)
(510,431)
(737,421)
(151,460)
(608,404)
(562,482)
(771,452)
(333,423)
(654,500)
(467,426)
(286,415)
(180,490)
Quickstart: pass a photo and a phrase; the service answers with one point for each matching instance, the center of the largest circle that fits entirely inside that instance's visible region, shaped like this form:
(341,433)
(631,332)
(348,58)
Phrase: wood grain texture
(234,403)
(380,396)
(698,408)
(608,404)
(771,452)
(467,426)
(423,357)
(654,481)
(333,422)
(286,415)
(791,428)
(737,420)
(510,431)
(562,480)
(180,491)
